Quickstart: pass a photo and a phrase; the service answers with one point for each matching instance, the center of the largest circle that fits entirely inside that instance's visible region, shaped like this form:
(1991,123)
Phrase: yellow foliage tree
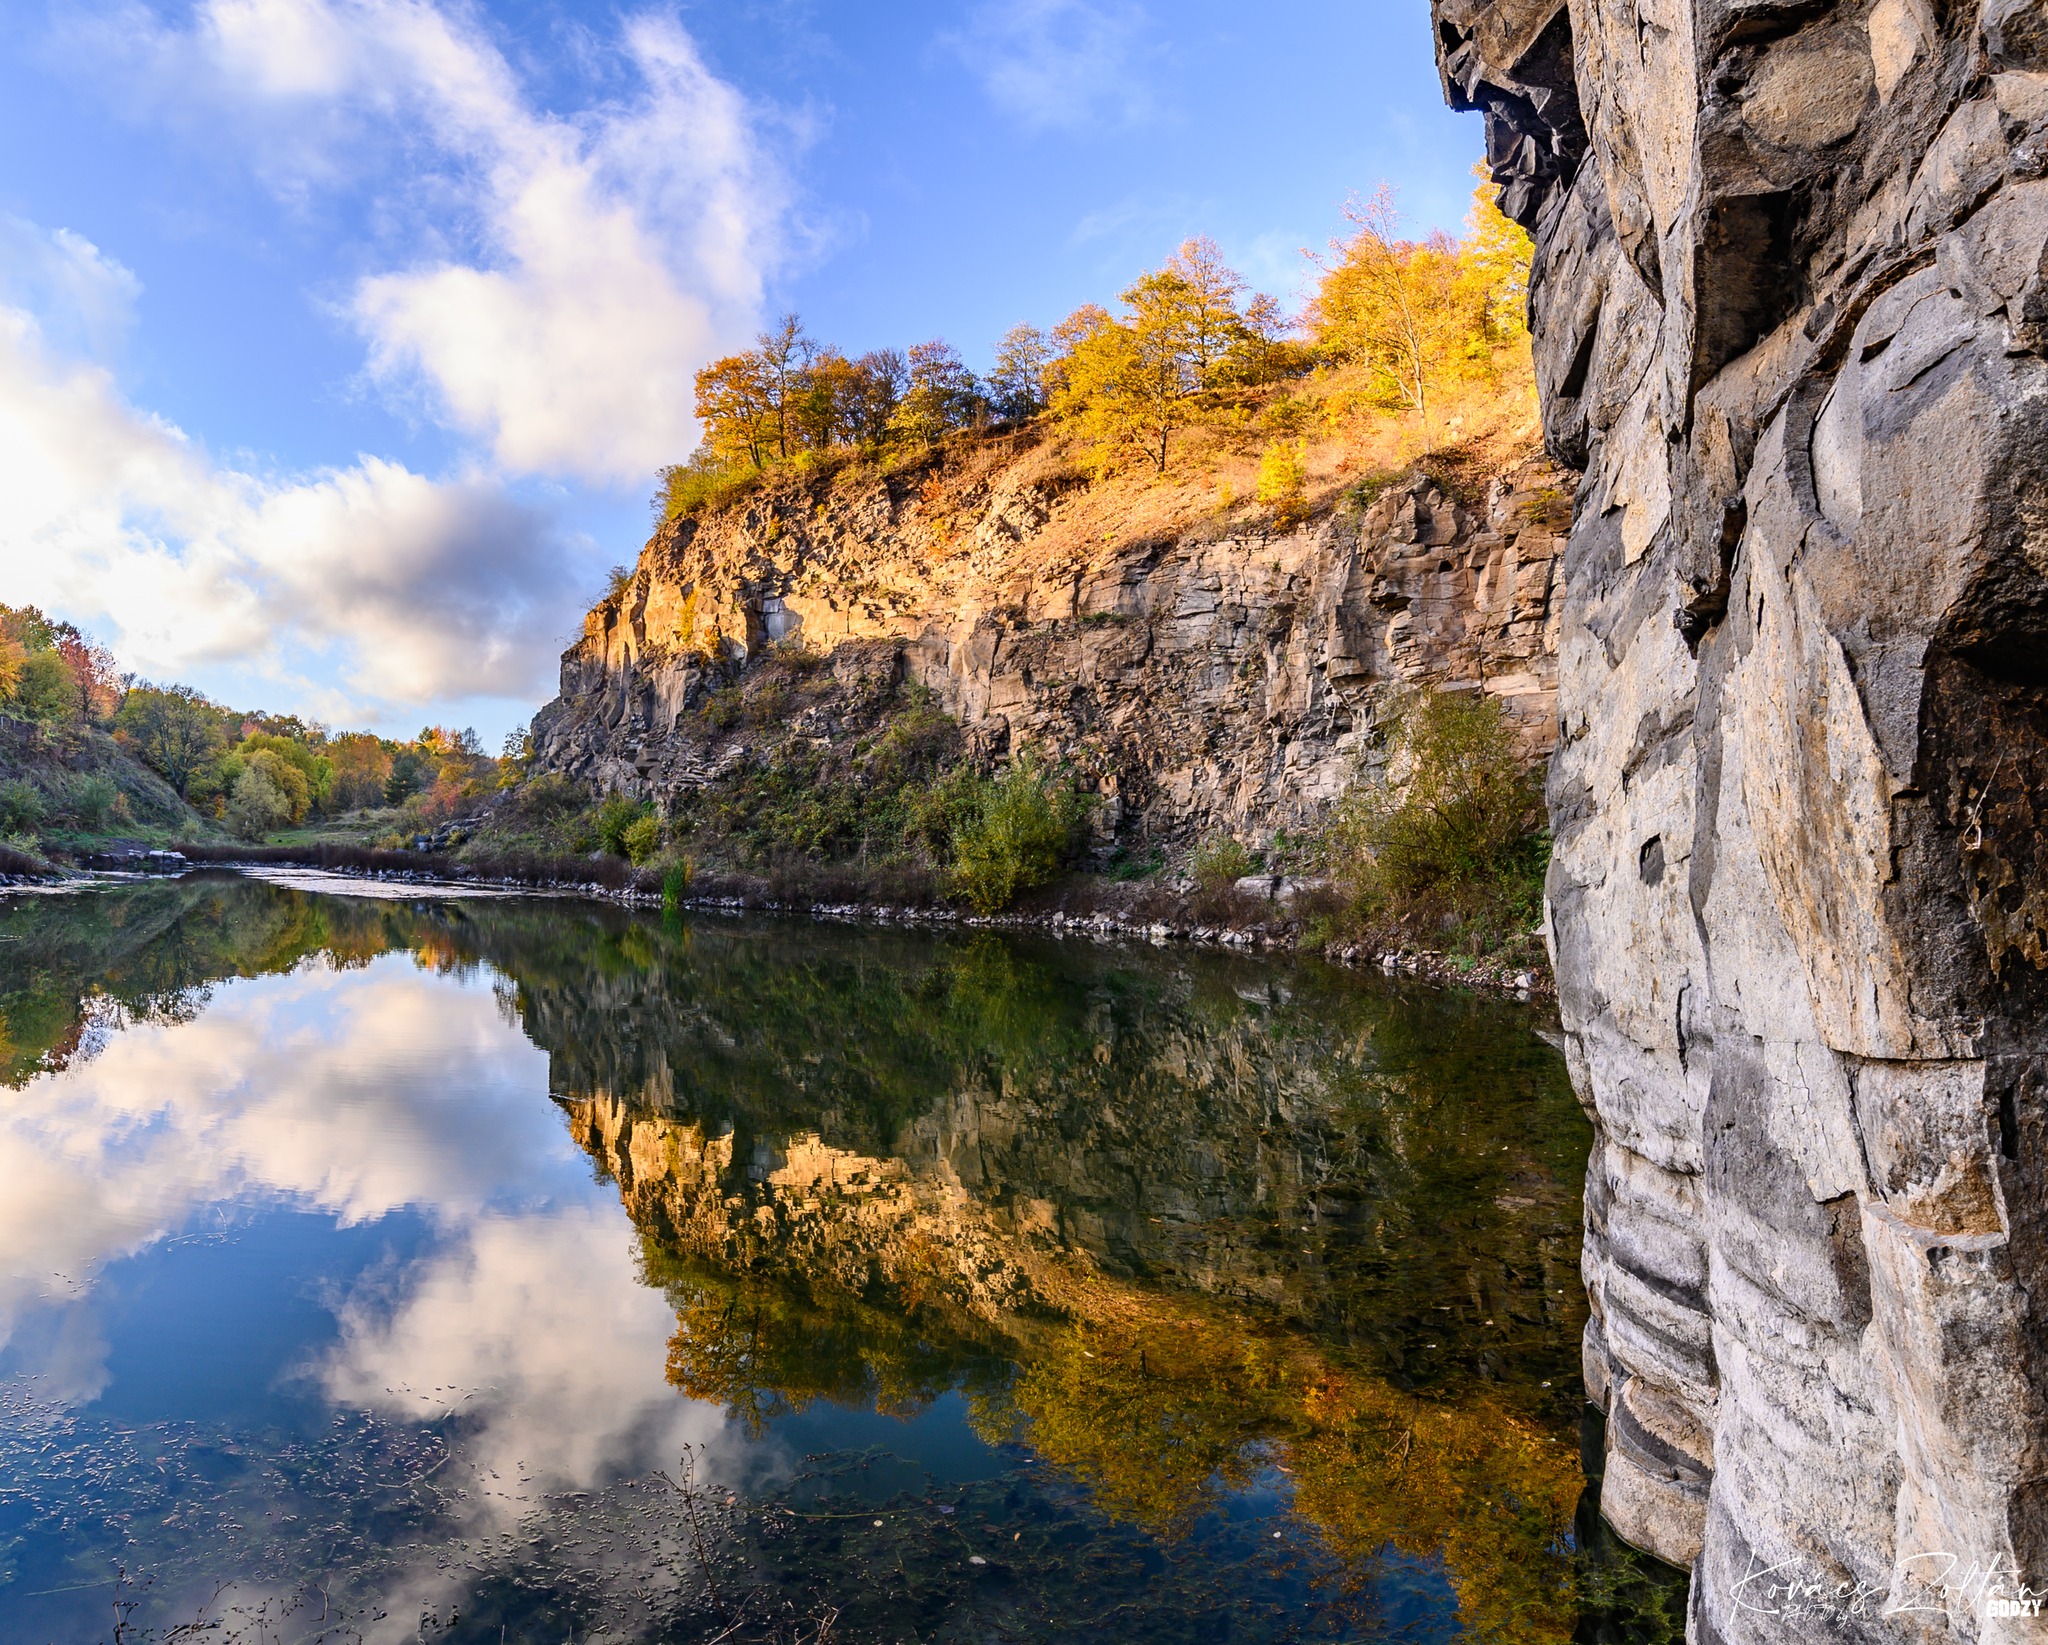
(1130,383)
(1283,481)
(1417,314)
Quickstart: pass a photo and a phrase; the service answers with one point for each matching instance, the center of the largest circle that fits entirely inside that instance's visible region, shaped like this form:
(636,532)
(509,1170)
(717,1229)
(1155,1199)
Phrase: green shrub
(723,709)
(703,483)
(258,804)
(44,690)
(548,798)
(1220,862)
(21,807)
(1021,832)
(95,801)
(1140,867)
(618,813)
(1452,830)
(675,881)
(640,839)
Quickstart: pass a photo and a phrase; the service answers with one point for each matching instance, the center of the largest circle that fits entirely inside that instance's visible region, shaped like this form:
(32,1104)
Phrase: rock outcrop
(1790,303)
(1203,682)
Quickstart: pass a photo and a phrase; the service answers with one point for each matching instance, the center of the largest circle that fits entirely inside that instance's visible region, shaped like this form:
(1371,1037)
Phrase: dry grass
(1210,484)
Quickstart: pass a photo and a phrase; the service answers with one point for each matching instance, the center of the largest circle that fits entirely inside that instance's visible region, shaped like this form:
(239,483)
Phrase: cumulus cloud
(85,300)
(544,281)
(411,589)
(570,271)
(1060,64)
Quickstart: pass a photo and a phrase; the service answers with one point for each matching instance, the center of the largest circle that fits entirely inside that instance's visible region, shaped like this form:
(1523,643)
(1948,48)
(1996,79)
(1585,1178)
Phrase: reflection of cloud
(1068,64)
(355,1093)
(539,1332)
(526,1324)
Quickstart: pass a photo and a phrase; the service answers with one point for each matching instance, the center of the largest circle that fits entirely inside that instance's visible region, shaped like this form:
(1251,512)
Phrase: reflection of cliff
(1168,1217)
(814,1272)
(1105,1194)
(1358,1161)
(1395,1169)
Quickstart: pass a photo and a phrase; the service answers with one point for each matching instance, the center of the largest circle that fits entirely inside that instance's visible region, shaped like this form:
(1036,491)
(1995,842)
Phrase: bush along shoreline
(1089,906)
(1430,864)
(860,801)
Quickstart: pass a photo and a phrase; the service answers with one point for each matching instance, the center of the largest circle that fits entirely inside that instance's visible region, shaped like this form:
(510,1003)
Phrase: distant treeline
(250,770)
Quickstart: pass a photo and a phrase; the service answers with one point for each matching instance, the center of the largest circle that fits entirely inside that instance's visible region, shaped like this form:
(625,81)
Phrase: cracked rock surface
(1203,683)
(1790,303)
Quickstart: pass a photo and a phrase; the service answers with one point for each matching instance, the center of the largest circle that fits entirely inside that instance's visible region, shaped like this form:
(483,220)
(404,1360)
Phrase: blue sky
(340,339)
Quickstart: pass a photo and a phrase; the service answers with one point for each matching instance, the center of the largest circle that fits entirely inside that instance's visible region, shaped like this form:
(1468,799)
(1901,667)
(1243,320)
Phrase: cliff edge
(1203,671)
(1790,308)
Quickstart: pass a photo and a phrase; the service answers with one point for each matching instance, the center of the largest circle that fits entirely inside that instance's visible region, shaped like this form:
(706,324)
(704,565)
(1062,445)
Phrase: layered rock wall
(1204,681)
(1790,304)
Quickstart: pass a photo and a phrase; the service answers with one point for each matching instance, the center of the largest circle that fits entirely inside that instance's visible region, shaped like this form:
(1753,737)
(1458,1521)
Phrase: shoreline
(1280,936)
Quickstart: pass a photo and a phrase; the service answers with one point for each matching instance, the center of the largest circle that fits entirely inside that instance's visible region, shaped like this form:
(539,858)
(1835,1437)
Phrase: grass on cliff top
(1343,448)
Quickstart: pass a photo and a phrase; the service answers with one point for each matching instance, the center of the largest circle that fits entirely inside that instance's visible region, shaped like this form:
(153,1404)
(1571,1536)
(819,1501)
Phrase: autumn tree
(1129,382)
(95,677)
(940,395)
(785,356)
(1416,314)
(881,376)
(737,410)
(1207,291)
(1495,259)
(360,764)
(172,729)
(1017,387)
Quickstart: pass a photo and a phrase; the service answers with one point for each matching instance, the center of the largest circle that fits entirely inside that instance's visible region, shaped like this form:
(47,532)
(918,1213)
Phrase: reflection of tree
(766,1347)
(149,953)
(1168,1217)
(1160,1406)
(837,1277)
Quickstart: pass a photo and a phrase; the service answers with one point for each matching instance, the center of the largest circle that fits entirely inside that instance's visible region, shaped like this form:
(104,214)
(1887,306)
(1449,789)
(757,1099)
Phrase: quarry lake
(507,1269)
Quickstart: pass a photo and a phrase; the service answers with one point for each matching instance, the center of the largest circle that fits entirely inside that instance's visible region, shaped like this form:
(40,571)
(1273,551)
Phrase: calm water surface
(506,1269)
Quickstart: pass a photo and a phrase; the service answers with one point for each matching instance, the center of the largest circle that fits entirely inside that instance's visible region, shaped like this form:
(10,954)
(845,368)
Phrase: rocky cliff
(1204,676)
(1791,304)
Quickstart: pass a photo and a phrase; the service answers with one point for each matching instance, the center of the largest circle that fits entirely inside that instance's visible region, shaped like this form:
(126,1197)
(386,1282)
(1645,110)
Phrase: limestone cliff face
(1202,681)
(1791,305)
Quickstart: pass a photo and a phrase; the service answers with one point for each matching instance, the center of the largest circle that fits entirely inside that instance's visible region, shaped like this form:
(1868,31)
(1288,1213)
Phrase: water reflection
(993,1288)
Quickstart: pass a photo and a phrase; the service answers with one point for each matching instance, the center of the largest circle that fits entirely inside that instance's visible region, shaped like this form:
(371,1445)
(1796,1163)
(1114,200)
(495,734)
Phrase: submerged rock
(1790,304)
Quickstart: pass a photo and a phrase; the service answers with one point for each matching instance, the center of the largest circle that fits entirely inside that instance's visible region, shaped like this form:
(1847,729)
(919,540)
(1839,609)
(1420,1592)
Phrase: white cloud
(546,283)
(412,590)
(85,300)
(568,273)
(1062,64)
